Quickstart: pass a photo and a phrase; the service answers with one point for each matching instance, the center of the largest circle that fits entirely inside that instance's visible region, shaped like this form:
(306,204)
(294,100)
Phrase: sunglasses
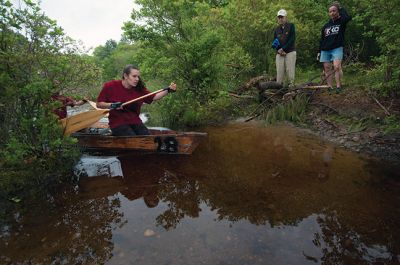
(280,16)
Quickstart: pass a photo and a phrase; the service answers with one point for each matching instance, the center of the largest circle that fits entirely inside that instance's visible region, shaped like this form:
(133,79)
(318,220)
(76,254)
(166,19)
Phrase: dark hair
(334,4)
(127,70)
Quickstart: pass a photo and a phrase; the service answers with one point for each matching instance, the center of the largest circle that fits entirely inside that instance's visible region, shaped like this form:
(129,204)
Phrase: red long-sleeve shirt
(113,91)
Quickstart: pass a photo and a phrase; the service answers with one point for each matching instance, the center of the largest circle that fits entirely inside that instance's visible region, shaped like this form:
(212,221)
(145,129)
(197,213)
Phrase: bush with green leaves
(181,41)
(36,60)
(208,47)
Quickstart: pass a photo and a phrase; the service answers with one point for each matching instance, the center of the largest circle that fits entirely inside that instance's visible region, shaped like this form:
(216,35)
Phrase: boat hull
(160,141)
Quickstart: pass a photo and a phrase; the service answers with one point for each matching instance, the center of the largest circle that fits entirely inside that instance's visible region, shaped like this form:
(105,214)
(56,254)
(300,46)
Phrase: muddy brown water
(248,195)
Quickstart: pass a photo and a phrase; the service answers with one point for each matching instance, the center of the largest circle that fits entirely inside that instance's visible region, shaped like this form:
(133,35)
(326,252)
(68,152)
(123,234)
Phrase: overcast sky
(91,21)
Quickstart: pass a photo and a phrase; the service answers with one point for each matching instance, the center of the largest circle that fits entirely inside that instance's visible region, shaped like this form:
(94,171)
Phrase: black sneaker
(339,90)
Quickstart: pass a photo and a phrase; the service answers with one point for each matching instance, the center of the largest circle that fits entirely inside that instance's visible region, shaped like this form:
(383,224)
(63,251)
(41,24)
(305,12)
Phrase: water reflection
(248,195)
(77,231)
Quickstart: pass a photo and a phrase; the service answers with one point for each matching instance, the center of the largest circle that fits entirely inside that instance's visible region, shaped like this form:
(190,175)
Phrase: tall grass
(293,110)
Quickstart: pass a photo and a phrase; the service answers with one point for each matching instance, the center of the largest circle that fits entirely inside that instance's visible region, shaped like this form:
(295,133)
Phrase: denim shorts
(331,55)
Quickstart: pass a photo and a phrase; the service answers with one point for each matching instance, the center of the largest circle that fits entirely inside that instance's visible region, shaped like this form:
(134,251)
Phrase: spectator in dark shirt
(284,44)
(331,44)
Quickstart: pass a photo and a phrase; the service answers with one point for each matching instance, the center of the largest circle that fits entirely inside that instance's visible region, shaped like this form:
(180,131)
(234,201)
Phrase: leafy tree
(36,60)
(176,29)
(182,43)
(210,47)
(113,60)
(383,17)
(102,52)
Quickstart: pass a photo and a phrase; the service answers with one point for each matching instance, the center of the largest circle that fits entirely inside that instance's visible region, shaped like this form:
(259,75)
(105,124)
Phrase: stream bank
(354,119)
(358,121)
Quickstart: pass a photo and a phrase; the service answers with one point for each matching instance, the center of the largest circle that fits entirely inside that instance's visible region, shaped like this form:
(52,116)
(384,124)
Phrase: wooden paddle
(92,104)
(85,119)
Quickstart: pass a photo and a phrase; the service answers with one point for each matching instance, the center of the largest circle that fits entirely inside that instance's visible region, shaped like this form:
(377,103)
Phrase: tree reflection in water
(160,182)
(183,201)
(77,231)
(344,235)
(341,244)
(354,227)
(277,199)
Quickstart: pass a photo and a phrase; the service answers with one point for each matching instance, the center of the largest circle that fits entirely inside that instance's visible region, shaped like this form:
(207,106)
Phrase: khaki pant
(287,62)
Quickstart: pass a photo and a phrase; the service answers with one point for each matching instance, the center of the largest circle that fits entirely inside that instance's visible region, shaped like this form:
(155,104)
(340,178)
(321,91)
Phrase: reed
(293,110)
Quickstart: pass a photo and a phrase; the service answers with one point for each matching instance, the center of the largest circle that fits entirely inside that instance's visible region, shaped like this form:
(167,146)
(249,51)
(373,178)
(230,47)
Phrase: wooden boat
(161,140)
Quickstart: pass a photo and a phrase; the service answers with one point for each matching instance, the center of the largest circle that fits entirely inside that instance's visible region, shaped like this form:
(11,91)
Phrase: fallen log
(261,86)
(315,87)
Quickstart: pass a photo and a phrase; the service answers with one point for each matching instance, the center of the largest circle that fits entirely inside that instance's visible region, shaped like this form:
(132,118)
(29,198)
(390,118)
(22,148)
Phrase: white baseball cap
(282,13)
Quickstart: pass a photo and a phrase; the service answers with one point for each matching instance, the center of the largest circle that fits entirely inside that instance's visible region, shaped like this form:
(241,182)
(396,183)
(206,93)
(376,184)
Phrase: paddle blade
(92,104)
(82,120)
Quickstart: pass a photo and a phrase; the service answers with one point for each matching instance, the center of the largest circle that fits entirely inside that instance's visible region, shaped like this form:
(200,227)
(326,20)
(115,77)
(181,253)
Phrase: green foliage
(103,52)
(358,125)
(113,57)
(36,60)
(181,110)
(391,124)
(247,25)
(378,34)
(184,42)
(208,47)
(188,44)
(292,110)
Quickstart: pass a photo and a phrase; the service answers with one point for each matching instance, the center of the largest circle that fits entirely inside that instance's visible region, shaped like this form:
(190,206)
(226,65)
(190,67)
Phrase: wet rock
(76,235)
(322,175)
(149,232)
(275,174)
(372,134)
(348,243)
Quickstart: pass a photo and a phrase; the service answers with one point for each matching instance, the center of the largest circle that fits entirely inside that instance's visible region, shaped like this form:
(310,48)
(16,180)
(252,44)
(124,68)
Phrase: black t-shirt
(332,34)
